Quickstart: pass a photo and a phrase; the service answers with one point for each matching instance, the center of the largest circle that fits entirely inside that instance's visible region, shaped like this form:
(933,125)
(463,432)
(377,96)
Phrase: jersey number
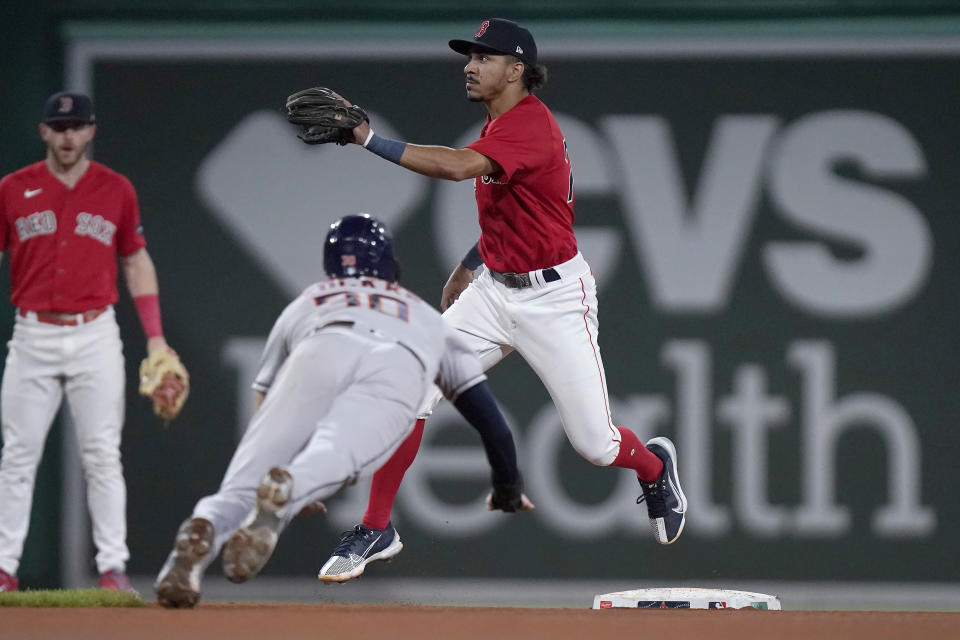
(566,158)
(387,305)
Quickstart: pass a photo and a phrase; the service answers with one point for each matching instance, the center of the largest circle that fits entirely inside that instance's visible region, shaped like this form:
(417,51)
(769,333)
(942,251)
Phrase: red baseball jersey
(526,210)
(63,243)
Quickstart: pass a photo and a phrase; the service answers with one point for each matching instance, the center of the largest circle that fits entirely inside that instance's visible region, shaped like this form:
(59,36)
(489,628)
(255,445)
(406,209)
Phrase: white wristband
(369,137)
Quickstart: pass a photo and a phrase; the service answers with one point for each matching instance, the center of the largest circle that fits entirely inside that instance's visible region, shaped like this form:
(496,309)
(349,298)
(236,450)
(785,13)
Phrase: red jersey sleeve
(130,232)
(514,144)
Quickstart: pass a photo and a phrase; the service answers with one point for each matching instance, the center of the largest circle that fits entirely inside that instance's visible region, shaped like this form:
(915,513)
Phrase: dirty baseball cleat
(248,550)
(357,549)
(666,504)
(8,582)
(178,584)
(116,580)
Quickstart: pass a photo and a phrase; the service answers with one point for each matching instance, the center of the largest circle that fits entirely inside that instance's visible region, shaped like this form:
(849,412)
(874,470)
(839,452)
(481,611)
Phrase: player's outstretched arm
(446,163)
(322,116)
(478,406)
(429,160)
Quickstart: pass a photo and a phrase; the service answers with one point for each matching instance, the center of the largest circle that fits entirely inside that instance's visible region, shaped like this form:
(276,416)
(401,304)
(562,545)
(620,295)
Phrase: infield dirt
(228,621)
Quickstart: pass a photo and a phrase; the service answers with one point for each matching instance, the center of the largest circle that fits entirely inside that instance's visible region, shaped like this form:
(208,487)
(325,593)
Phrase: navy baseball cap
(505,37)
(67,106)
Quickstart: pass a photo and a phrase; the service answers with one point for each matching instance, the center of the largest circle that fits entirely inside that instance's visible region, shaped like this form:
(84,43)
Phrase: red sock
(633,455)
(386,481)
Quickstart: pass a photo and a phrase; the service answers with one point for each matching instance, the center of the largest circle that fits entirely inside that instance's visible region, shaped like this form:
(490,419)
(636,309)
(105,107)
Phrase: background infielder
(64,222)
(536,293)
(341,378)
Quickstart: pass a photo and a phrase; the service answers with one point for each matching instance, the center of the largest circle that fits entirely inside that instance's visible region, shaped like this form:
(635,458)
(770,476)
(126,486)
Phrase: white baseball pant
(340,406)
(554,327)
(44,362)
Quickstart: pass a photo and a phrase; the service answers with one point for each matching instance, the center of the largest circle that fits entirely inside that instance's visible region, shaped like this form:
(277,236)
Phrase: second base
(685,598)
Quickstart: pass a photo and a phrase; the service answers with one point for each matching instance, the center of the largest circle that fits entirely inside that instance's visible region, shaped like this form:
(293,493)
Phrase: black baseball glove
(322,116)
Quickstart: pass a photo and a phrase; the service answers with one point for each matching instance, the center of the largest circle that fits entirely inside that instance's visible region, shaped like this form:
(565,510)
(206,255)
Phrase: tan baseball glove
(165,380)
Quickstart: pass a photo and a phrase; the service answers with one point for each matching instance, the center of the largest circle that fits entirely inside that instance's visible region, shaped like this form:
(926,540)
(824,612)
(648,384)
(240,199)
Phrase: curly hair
(534,76)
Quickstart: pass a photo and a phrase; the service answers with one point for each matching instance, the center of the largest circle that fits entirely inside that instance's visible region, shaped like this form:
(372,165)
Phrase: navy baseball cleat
(666,504)
(178,585)
(358,548)
(248,550)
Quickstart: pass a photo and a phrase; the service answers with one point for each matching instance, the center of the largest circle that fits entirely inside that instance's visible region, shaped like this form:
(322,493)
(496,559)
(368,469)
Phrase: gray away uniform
(345,369)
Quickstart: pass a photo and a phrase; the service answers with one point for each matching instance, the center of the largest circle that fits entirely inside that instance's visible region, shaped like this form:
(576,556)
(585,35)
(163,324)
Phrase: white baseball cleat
(248,550)
(178,584)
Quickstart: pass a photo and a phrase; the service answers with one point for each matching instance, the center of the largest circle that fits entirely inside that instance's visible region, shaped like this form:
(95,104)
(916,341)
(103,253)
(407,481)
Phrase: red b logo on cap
(483,28)
(66,104)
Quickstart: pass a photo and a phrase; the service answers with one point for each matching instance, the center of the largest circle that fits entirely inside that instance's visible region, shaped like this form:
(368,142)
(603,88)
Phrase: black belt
(523,280)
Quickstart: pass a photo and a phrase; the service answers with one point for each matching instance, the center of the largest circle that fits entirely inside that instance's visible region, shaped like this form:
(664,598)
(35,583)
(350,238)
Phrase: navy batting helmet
(359,245)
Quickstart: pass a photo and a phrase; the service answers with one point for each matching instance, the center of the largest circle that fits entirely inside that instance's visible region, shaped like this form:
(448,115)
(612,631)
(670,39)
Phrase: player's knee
(20,472)
(99,457)
(598,452)
(24,454)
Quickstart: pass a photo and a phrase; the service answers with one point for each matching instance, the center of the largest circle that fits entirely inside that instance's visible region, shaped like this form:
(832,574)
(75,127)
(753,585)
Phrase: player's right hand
(458,281)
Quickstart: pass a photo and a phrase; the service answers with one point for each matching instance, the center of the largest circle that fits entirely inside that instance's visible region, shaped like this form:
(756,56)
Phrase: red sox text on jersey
(63,243)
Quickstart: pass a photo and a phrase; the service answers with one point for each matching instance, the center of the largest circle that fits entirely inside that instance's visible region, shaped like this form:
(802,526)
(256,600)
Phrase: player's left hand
(362,130)
(458,281)
(508,498)
(164,380)
(322,116)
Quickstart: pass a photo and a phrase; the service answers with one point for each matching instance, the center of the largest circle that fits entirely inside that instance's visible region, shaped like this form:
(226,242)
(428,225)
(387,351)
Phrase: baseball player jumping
(64,221)
(535,295)
(341,378)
